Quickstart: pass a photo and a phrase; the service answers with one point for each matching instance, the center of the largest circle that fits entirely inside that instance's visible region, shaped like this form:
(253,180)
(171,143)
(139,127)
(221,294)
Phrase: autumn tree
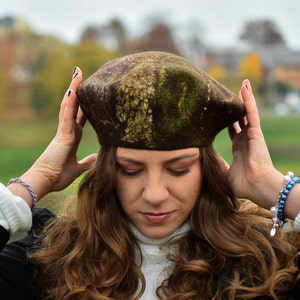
(17,60)
(112,35)
(159,37)
(3,87)
(217,71)
(262,33)
(251,67)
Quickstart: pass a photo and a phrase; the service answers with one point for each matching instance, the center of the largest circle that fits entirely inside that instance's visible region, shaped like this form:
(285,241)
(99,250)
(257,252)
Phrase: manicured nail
(75,75)
(69,93)
(74,69)
(247,84)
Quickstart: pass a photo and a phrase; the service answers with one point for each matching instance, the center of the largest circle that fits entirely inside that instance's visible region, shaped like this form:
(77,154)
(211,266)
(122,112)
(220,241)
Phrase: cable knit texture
(155,265)
(15,214)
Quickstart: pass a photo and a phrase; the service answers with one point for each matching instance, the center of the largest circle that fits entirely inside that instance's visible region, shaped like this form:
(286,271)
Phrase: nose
(155,190)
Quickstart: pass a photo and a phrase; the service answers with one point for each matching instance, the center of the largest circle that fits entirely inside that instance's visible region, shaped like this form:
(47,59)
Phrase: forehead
(142,155)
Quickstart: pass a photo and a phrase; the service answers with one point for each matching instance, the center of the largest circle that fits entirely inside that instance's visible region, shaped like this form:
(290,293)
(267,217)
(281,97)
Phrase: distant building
(15,50)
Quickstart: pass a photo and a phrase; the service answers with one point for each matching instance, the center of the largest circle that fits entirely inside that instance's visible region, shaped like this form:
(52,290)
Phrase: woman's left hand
(58,165)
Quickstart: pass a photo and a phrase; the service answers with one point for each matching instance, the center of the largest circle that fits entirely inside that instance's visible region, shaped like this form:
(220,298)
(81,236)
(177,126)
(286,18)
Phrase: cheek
(191,193)
(126,193)
(192,189)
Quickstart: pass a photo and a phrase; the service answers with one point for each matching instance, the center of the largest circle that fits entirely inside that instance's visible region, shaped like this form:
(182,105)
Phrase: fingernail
(75,75)
(69,93)
(247,84)
(74,70)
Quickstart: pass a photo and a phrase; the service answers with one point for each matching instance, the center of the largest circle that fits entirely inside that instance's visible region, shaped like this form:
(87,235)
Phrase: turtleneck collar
(153,257)
(158,246)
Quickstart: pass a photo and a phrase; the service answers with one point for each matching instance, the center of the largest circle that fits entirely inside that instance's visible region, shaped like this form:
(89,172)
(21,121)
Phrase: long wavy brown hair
(227,254)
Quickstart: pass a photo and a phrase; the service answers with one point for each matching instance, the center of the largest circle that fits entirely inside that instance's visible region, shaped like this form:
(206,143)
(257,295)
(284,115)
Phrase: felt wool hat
(156,101)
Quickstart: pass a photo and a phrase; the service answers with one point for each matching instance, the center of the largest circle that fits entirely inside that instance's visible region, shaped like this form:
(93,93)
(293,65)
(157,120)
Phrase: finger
(233,130)
(224,165)
(70,113)
(250,104)
(243,123)
(81,119)
(86,163)
(76,81)
(63,107)
(74,107)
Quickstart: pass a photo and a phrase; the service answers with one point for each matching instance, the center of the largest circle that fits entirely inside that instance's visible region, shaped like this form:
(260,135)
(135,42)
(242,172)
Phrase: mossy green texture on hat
(156,100)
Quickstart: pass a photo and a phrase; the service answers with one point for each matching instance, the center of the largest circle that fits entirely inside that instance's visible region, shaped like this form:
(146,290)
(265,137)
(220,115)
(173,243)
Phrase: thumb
(224,165)
(87,162)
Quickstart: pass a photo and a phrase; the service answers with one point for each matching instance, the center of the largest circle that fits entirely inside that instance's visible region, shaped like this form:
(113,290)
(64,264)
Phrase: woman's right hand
(58,165)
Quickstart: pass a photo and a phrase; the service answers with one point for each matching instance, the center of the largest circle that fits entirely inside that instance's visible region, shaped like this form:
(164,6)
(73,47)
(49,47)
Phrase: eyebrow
(172,160)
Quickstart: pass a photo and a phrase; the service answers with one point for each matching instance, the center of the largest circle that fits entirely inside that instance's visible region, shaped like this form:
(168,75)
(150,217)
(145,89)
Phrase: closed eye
(129,172)
(179,172)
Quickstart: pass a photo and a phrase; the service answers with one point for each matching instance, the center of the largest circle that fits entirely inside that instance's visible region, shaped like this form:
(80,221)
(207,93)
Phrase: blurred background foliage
(36,69)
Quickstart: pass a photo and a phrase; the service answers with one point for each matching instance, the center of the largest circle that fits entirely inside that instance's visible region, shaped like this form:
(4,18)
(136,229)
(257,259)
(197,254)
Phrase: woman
(157,216)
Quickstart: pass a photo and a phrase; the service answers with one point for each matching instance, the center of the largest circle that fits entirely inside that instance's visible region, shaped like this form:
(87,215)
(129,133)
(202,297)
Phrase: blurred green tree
(54,72)
(90,55)
(50,79)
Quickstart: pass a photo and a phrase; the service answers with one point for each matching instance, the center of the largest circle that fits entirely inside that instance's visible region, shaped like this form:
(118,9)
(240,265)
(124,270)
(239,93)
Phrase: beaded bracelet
(28,187)
(278,209)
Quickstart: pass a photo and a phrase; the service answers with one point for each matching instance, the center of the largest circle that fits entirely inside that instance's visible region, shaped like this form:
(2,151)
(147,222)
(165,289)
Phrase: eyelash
(172,172)
(179,173)
(129,173)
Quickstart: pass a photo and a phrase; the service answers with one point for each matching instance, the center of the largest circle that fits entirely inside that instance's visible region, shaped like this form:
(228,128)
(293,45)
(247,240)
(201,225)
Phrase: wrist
(266,188)
(31,186)
(292,203)
(292,206)
(20,182)
(279,209)
(38,181)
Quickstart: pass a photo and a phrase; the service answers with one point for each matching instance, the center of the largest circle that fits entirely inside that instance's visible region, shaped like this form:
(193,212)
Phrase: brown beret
(156,100)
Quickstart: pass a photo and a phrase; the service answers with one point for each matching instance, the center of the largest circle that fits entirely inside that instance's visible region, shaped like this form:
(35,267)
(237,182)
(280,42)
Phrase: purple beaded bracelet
(28,187)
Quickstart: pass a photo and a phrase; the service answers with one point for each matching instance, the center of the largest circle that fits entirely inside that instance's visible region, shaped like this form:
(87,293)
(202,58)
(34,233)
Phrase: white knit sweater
(15,214)
(155,265)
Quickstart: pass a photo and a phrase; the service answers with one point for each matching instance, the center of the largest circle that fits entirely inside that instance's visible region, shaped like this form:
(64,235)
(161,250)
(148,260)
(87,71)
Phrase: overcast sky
(221,20)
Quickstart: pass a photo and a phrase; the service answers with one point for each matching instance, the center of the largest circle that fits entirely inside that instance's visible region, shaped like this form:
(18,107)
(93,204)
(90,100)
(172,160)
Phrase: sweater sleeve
(17,279)
(4,237)
(15,214)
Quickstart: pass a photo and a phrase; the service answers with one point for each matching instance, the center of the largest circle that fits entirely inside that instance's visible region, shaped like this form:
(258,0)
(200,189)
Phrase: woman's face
(158,189)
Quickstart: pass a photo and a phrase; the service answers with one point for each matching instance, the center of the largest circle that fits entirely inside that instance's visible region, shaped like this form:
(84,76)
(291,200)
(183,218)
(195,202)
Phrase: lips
(157,218)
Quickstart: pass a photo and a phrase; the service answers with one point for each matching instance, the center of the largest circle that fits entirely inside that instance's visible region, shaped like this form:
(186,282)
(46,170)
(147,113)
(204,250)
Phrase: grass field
(282,135)
(22,143)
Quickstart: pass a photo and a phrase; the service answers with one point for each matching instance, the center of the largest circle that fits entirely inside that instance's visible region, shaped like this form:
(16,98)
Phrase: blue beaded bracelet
(278,209)
(283,196)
